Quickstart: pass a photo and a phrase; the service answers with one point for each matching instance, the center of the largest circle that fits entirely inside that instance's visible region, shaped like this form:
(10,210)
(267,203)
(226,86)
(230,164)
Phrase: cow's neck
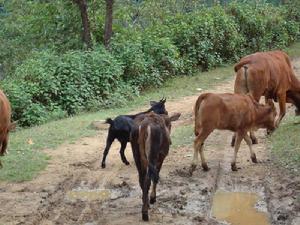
(261,114)
(295,83)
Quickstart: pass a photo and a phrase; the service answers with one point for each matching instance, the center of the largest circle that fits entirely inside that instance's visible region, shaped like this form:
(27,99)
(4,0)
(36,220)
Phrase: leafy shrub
(52,84)
(162,55)
(264,26)
(72,82)
(147,60)
(129,52)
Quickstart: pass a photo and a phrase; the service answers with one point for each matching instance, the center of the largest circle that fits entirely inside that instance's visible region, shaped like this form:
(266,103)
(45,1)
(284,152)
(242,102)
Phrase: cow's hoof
(145,216)
(253,158)
(297,112)
(152,200)
(127,163)
(205,167)
(233,167)
(103,165)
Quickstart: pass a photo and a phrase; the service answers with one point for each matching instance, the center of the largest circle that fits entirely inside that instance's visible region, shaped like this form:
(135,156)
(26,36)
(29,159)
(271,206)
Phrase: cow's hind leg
(122,150)
(282,100)
(239,138)
(198,148)
(252,136)
(252,153)
(153,192)
(145,207)
(233,140)
(109,141)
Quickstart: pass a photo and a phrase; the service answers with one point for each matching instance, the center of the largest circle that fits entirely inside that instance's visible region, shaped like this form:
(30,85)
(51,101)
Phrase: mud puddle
(88,193)
(239,208)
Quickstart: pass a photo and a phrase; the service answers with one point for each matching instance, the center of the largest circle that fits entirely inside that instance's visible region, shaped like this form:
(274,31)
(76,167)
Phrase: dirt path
(75,190)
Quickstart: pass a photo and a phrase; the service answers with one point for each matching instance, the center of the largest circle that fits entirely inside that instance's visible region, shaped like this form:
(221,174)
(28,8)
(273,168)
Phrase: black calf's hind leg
(109,141)
(123,147)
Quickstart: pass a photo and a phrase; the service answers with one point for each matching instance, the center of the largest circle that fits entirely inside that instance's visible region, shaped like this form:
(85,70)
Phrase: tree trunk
(108,22)
(86,32)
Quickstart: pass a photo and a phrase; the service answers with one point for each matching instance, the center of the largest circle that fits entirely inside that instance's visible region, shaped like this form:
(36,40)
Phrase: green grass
(182,136)
(294,50)
(24,160)
(285,143)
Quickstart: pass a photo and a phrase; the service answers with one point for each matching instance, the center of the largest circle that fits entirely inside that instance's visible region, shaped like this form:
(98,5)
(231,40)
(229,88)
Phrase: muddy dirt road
(75,190)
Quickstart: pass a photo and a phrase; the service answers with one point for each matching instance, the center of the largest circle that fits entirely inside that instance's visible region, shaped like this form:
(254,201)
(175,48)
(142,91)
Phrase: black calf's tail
(153,173)
(109,121)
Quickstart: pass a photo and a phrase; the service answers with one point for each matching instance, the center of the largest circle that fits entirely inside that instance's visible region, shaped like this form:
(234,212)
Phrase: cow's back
(229,111)
(267,73)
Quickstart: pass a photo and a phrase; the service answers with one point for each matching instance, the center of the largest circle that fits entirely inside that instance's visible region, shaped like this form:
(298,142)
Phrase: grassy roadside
(25,158)
(285,142)
(294,50)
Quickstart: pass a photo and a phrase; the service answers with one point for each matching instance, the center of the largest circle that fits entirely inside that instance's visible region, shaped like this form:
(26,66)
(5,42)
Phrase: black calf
(121,126)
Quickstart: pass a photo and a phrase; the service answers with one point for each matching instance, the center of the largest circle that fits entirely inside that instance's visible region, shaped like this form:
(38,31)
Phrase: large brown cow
(268,74)
(236,112)
(150,142)
(5,124)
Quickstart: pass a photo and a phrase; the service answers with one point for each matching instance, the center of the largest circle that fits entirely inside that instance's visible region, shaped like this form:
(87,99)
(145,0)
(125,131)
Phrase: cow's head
(159,107)
(270,117)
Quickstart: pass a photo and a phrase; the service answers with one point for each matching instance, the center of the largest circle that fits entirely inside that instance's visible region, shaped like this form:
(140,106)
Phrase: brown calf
(235,112)
(268,74)
(150,142)
(5,124)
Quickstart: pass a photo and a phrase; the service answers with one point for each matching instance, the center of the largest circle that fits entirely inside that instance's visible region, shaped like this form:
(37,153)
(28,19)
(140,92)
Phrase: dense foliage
(49,74)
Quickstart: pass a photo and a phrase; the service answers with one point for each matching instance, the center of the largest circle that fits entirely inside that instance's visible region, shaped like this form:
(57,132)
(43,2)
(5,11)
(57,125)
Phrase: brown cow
(268,74)
(235,112)
(5,124)
(150,142)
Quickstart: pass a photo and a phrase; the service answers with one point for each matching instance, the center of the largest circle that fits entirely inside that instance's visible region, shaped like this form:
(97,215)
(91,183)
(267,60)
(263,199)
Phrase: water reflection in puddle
(237,208)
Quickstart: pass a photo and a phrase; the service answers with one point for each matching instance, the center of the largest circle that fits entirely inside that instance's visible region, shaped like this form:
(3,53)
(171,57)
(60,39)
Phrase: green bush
(129,52)
(264,26)
(48,86)
(147,60)
(51,84)
(204,39)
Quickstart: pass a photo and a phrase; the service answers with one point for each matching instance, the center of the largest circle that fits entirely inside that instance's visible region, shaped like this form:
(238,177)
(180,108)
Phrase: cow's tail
(240,64)
(243,64)
(149,146)
(196,110)
(246,77)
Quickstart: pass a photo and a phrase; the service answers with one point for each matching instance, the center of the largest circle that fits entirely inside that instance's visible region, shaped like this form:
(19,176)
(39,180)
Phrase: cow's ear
(152,103)
(175,116)
(12,126)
